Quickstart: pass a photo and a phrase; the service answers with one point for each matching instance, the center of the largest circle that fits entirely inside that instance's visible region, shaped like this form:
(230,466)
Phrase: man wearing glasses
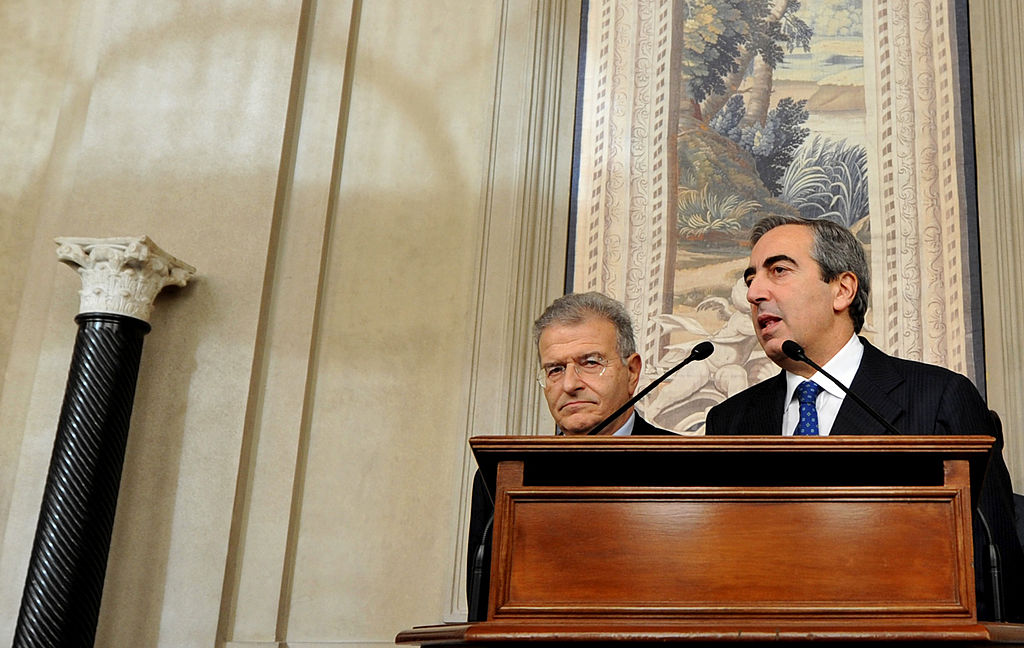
(589,366)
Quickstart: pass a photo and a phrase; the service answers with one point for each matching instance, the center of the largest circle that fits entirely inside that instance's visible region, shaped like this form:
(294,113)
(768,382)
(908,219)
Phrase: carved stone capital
(122,274)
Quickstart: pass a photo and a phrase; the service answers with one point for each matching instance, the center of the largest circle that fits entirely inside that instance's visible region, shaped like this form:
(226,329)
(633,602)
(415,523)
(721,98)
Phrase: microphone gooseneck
(699,352)
(796,352)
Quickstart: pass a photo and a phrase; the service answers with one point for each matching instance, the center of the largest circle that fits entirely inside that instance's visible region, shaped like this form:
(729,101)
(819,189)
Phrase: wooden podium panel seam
(925,614)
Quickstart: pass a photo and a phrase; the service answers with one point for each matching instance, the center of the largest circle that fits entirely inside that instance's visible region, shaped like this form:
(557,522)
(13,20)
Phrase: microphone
(699,352)
(796,352)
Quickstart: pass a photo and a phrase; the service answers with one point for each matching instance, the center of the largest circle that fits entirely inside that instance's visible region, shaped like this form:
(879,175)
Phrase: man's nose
(571,378)
(755,290)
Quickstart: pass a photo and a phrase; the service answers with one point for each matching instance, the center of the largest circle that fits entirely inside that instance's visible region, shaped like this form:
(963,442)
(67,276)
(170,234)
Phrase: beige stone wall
(997,54)
(374,195)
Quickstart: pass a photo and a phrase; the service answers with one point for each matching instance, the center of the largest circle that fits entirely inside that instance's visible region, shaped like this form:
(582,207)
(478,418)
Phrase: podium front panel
(725,552)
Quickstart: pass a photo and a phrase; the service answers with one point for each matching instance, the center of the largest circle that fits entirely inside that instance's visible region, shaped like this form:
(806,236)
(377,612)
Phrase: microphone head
(702,350)
(793,350)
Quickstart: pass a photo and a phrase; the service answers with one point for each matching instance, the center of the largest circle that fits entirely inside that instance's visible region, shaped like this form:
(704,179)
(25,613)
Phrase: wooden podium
(730,539)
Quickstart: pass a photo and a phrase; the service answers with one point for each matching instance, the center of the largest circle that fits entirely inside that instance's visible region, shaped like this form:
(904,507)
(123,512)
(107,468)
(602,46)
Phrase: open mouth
(767,321)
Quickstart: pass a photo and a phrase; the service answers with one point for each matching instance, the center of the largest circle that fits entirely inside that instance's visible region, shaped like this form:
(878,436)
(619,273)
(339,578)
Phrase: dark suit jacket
(916,398)
(642,427)
(480,518)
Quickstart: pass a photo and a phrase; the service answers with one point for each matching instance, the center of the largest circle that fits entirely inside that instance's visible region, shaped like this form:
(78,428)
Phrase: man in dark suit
(589,368)
(808,281)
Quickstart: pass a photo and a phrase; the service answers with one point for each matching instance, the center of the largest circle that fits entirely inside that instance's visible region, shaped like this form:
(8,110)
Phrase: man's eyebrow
(767,263)
(582,356)
(772,260)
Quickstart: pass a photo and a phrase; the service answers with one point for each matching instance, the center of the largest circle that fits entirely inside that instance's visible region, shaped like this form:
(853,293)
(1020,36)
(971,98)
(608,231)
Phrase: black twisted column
(61,600)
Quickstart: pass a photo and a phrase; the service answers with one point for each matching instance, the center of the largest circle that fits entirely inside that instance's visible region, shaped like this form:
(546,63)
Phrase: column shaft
(61,600)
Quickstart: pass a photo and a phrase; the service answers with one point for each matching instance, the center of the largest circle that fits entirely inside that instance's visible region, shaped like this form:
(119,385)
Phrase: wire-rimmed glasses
(591,365)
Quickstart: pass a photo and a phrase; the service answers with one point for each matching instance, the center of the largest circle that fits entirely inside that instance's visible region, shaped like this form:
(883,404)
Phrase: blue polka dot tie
(806,392)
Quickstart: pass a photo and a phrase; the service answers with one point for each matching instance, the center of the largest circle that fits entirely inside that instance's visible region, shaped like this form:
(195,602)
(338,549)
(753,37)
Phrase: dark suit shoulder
(920,398)
(757,410)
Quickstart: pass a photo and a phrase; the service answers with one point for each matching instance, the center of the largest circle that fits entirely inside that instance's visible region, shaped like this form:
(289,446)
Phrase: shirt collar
(843,366)
(627,427)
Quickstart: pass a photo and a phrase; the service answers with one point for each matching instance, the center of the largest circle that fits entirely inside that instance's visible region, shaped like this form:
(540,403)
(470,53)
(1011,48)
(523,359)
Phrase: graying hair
(575,308)
(835,249)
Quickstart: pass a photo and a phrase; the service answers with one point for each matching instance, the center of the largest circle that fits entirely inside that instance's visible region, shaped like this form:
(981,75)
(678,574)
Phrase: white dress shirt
(627,427)
(843,366)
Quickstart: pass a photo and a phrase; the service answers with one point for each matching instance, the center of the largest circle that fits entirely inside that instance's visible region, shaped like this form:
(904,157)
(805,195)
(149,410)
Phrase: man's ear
(845,288)
(633,365)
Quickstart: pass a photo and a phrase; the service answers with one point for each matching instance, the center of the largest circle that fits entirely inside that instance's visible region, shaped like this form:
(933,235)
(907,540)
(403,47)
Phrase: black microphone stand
(699,352)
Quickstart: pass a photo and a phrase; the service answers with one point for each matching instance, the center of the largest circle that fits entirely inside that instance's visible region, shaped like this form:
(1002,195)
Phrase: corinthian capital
(122,274)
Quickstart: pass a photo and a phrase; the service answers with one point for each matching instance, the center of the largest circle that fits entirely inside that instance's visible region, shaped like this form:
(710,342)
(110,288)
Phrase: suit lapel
(766,419)
(875,382)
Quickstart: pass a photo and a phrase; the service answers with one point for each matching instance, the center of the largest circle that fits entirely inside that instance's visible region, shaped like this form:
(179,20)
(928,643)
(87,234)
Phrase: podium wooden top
(847,443)
(736,460)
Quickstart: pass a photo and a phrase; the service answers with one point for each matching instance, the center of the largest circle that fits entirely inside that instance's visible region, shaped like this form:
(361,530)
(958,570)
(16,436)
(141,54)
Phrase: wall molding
(523,234)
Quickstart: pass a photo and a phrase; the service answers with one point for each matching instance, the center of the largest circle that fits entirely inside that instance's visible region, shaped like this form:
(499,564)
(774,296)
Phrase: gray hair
(575,308)
(835,249)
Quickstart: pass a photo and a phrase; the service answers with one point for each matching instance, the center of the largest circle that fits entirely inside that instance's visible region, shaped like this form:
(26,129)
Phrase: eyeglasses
(591,365)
